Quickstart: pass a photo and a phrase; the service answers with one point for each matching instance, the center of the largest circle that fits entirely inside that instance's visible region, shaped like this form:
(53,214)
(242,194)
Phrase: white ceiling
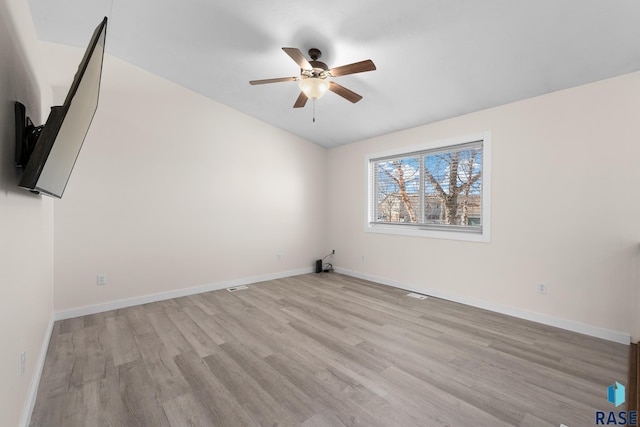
(436,58)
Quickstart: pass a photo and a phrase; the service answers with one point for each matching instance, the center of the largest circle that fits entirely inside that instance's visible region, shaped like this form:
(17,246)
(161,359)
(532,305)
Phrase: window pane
(438,189)
(397,190)
(453,188)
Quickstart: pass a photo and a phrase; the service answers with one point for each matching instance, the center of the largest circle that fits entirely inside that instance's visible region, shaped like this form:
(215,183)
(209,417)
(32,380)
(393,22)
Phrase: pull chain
(314,111)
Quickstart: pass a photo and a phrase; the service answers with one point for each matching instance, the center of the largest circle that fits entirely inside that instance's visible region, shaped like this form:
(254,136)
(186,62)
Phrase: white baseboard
(569,325)
(30,403)
(145,299)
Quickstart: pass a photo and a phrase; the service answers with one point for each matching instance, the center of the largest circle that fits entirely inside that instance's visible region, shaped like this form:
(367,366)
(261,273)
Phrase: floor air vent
(417,296)
(237,288)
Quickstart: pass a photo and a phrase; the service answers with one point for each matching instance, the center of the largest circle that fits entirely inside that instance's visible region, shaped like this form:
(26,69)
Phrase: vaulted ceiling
(435,58)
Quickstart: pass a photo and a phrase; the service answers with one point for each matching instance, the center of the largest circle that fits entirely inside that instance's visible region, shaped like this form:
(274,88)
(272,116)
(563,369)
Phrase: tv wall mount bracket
(26,136)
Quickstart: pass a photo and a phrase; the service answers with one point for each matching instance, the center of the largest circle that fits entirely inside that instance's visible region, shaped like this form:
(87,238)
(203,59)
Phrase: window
(434,190)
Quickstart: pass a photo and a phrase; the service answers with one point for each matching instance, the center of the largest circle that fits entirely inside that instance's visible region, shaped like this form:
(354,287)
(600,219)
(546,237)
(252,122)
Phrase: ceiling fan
(314,76)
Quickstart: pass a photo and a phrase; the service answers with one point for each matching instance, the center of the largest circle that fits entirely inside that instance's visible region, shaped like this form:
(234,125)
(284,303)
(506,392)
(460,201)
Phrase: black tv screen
(58,144)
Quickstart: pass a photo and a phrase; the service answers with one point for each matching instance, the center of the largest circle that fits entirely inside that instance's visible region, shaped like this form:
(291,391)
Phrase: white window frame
(413,230)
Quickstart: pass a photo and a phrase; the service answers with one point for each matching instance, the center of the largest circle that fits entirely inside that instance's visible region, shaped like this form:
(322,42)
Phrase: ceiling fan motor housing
(319,69)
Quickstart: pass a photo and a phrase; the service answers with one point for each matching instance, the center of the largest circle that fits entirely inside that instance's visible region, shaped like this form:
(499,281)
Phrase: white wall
(565,210)
(26,224)
(173,190)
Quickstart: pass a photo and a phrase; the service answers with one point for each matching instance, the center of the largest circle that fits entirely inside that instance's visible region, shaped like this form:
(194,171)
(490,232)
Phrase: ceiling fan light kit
(314,87)
(314,76)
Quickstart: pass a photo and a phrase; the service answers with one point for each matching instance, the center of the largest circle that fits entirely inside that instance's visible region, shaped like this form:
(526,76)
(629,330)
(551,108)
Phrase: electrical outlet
(101,279)
(23,362)
(542,288)
(333,251)
(362,258)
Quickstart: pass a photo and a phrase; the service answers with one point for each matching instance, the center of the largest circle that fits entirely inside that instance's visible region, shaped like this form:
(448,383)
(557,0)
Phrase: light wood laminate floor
(320,350)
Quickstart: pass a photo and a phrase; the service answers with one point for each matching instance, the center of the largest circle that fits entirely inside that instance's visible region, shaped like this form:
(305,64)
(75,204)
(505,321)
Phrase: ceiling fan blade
(344,92)
(281,79)
(301,101)
(356,67)
(297,56)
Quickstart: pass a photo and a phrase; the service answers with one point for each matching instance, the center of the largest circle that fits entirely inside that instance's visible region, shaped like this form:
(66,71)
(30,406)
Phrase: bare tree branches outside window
(436,187)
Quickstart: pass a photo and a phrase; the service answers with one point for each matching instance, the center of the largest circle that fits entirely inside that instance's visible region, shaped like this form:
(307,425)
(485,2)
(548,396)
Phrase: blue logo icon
(616,394)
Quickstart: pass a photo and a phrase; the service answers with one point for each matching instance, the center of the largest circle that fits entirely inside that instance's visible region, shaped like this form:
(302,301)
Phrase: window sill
(415,231)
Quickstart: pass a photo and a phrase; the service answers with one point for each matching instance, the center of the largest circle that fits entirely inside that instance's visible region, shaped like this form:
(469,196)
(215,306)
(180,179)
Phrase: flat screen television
(48,153)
